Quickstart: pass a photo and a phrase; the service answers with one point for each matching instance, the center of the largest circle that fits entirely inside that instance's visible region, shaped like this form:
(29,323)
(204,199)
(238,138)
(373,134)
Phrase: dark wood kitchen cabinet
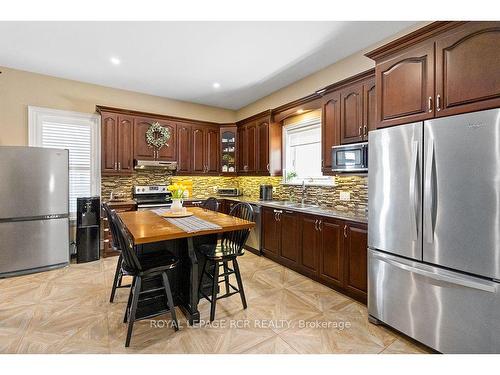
(351,114)
(271,234)
(405,86)
(468,68)
(142,151)
(198,150)
(310,244)
(205,150)
(330,128)
(212,153)
(355,255)
(183,148)
(331,253)
(116,144)
(328,250)
(369,107)
(280,231)
(442,69)
(259,146)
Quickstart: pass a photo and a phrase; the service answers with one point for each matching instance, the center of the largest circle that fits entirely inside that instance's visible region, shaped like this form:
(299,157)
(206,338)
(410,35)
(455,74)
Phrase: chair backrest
(211,204)
(112,227)
(234,241)
(126,245)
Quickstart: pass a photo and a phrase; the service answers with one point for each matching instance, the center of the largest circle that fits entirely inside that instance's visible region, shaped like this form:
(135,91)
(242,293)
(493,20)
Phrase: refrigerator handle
(464,281)
(428,194)
(413,188)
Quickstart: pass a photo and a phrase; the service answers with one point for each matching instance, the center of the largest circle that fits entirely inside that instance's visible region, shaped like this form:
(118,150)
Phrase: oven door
(152,206)
(350,158)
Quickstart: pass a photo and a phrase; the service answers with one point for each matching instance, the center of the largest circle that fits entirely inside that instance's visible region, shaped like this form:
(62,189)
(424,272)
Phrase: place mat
(167,212)
(193,224)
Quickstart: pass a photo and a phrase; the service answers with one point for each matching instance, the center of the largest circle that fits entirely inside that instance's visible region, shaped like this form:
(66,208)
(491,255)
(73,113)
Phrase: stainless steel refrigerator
(434,231)
(34,217)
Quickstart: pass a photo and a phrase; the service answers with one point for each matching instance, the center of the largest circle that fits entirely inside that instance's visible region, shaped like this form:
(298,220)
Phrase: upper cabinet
(183,148)
(143,151)
(116,144)
(442,69)
(405,86)
(330,128)
(229,145)
(468,68)
(351,114)
(259,146)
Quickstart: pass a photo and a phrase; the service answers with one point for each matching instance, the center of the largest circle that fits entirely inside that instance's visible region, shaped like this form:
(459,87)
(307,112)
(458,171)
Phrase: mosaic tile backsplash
(203,187)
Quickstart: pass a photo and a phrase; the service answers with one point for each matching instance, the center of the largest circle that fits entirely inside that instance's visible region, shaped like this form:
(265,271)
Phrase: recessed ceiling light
(216,85)
(115,61)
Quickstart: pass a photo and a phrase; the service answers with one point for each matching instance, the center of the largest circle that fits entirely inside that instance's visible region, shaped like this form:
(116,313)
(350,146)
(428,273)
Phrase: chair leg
(125,318)
(226,278)
(200,284)
(117,279)
(240,283)
(215,286)
(170,300)
(133,310)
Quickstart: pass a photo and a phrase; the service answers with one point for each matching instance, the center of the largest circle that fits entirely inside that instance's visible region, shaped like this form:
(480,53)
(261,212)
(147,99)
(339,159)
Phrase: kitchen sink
(294,204)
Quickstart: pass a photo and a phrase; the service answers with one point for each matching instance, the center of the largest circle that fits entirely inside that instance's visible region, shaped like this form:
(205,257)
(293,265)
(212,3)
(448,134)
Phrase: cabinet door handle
(275,216)
(316,224)
(438,103)
(320,225)
(365,130)
(345,231)
(359,131)
(116,166)
(429,104)
(268,167)
(119,166)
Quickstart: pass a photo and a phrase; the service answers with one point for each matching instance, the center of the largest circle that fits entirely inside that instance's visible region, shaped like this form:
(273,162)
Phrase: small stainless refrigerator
(34,209)
(434,231)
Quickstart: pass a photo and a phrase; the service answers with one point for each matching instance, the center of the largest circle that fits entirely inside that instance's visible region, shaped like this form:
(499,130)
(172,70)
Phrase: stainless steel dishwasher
(253,240)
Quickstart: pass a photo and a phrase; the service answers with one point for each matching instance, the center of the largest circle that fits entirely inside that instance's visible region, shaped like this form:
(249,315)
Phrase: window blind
(77,138)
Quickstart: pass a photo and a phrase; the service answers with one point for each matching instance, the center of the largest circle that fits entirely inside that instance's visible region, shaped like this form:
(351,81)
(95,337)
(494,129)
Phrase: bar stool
(117,281)
(150,286)
(216,256)
(211,204)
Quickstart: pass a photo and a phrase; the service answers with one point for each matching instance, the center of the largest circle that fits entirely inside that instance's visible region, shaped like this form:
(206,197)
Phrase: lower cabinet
(328,250)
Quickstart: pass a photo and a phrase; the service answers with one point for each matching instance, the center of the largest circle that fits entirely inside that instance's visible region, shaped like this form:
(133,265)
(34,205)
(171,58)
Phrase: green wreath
(157,136)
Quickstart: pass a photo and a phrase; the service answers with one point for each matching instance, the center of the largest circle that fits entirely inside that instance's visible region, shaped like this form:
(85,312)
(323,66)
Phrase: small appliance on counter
(229,192)
(149,197)
(87,229)
(266,192)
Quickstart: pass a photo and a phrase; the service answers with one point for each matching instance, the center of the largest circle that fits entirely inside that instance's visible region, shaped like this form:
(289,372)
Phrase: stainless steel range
(150,197)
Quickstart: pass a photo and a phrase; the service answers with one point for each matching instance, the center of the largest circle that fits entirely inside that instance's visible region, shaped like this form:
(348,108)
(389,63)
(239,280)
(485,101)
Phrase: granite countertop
(117,203)
(349,215)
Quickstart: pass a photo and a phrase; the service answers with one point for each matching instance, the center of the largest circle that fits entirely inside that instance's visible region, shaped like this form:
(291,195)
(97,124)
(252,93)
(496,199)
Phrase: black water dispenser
(88,210)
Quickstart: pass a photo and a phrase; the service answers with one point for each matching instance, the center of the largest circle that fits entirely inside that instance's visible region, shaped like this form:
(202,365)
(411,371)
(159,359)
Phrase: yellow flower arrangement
(177,190)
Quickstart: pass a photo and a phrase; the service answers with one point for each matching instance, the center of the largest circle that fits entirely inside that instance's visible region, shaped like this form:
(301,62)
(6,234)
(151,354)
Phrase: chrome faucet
(303,191)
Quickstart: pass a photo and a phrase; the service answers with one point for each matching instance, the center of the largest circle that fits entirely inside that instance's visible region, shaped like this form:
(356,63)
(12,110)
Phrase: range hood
(155,164)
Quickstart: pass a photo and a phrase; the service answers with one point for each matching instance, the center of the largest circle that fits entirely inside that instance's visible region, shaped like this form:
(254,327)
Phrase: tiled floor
(67,311)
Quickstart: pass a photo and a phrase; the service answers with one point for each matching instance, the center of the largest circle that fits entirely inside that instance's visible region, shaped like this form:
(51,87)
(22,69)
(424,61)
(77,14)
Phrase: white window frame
(37,115)
(309,181)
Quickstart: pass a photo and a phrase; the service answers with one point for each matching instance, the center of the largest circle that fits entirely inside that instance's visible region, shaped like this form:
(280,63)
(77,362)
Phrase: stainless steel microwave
(350,158)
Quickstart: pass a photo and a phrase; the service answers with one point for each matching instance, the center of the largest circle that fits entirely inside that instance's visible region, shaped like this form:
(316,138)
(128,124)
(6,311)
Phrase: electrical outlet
(345,196)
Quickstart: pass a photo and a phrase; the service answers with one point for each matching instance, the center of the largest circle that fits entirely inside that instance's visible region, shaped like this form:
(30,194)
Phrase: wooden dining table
(151,232)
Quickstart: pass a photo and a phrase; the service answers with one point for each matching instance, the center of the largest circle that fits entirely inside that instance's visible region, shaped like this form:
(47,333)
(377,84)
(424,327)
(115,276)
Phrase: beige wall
(18,89)
(351,65)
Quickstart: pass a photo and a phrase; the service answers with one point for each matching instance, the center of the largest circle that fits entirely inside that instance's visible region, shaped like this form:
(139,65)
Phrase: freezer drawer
(447,311)
(31,246)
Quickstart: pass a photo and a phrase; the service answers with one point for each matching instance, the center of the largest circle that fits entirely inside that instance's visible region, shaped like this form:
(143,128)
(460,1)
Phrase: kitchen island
(153,233)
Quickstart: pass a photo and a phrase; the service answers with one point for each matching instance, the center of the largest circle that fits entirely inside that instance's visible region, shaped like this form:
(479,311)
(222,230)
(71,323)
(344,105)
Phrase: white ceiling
(182,60)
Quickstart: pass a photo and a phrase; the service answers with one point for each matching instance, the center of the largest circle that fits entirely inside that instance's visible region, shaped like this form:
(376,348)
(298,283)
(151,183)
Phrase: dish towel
(192,224)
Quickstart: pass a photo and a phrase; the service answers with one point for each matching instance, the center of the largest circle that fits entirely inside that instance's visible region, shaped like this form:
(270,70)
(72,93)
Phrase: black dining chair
(229,248)
(117,280)
(211,204)
(150,294)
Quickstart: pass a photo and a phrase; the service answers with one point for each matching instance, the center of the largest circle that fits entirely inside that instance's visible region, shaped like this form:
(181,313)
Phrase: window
(77,132)
(302,145)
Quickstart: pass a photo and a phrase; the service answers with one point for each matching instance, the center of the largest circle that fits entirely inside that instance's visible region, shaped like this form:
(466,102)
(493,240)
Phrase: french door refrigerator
(434,231)
(34,227)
